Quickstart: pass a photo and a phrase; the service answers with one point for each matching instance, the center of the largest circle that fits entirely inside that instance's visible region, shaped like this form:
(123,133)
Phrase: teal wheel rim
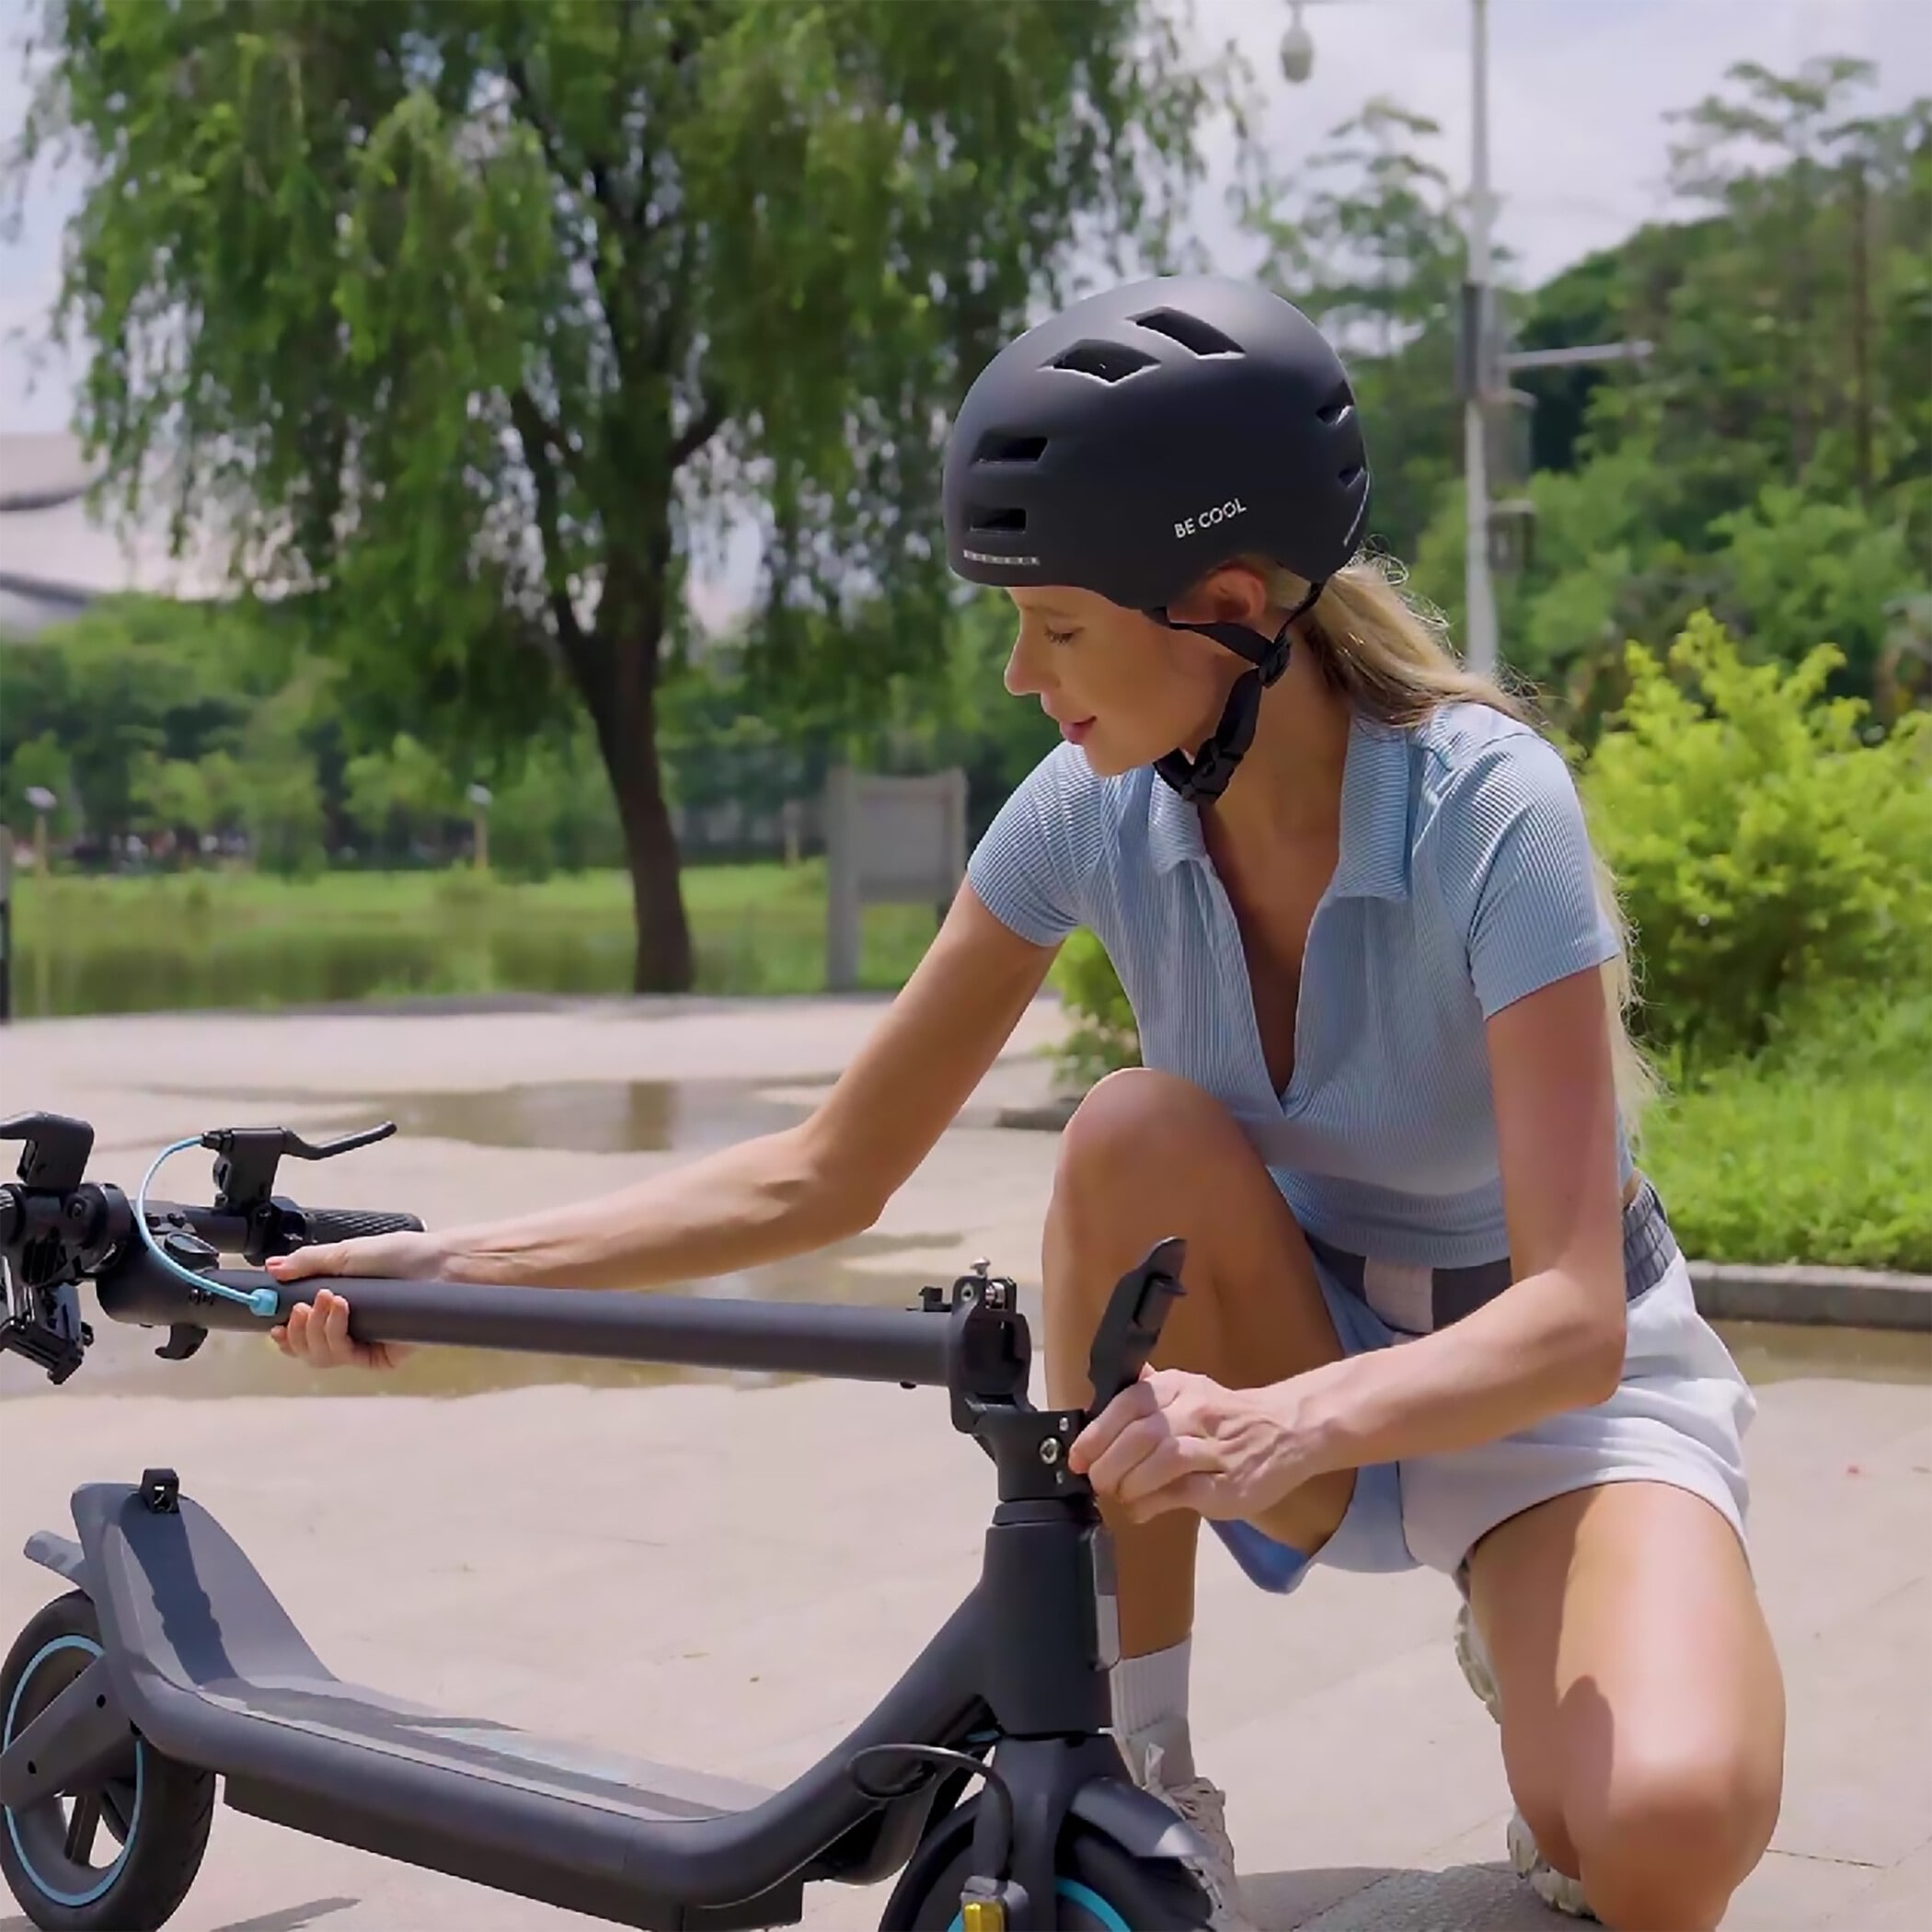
(40,1814)
(1084,1896)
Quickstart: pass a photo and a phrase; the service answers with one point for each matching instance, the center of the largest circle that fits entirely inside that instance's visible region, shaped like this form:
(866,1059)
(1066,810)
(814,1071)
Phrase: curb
(1726,1291)
(1823,1298)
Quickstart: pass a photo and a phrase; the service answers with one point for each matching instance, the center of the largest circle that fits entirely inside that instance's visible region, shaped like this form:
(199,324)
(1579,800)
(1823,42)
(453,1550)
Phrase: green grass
(92,945)
(1816,1151)
(710,891)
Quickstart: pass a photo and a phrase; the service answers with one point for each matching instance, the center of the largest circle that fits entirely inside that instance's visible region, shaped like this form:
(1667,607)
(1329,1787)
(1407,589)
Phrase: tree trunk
(620,682)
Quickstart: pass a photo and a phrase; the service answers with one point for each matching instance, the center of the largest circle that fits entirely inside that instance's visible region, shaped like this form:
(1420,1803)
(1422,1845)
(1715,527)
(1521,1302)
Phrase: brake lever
(293,1143)
(248,1159)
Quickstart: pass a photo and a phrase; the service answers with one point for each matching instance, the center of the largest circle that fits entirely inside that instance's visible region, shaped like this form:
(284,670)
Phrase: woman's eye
(1061,637)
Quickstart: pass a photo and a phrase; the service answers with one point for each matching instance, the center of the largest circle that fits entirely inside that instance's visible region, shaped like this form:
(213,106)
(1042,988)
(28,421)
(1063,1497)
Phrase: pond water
(147,967)
(145,946)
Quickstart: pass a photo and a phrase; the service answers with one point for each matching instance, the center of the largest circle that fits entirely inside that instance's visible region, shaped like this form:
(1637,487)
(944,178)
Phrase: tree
(1791,323)
(1368,240)
(398,790)
(467,320)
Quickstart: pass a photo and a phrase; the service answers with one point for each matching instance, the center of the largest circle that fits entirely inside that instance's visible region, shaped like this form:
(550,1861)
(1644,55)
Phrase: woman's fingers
(324,1257)
(317,1333)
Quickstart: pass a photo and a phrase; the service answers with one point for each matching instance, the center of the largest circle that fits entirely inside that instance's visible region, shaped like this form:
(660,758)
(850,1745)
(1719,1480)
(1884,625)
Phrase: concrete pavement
(711,1570)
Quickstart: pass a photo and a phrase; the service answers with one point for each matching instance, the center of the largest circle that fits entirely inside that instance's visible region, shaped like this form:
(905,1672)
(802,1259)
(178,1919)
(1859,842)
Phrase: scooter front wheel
(1101,1887)
(120,1855)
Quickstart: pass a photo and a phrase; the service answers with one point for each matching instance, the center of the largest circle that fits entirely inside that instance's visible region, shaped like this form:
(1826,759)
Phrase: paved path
(730,1574)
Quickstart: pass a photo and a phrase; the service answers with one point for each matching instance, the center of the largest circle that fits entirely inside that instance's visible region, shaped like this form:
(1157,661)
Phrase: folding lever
(1129,1329)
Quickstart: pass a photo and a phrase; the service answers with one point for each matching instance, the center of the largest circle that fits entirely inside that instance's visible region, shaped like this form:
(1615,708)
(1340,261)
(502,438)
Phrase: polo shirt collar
(1373,861)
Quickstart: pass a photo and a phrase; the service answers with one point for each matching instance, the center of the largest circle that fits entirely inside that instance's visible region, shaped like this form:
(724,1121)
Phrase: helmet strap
(1205,777)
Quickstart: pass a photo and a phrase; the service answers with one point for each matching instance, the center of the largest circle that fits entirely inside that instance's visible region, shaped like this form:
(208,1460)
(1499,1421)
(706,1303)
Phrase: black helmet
(1144,436)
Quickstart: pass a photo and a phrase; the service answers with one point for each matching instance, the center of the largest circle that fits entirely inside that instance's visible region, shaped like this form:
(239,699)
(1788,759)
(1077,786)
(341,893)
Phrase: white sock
(1150,1703)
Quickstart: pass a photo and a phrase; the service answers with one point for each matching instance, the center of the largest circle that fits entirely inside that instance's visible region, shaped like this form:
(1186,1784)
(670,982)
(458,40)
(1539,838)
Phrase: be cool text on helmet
(1207,519)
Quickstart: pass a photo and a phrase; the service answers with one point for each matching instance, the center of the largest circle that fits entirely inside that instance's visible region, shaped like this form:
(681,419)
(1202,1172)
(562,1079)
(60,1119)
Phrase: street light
(1478,372)
(1297,47)
(1484,370)
(1298,43)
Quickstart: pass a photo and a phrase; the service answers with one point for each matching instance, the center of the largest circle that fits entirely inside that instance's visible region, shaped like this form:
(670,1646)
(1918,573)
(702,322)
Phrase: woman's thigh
(1640,1693)
(1146,1155)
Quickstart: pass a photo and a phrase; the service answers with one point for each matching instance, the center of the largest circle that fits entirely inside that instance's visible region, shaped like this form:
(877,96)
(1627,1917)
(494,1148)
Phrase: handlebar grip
(1129,1329)
(353,1223)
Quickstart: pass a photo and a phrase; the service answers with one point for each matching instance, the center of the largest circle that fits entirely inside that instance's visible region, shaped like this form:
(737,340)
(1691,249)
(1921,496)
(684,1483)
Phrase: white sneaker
(1557,1890)
(1204,1806)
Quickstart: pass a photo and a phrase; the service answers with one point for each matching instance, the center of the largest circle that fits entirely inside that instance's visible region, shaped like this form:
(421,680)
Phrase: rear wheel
(1100,1889)
(120,1855)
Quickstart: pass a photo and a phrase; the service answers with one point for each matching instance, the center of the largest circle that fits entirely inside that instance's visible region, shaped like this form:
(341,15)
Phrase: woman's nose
(1019,680)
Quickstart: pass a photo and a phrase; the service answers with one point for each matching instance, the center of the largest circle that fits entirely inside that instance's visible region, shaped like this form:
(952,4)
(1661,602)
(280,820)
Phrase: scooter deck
(215,1673)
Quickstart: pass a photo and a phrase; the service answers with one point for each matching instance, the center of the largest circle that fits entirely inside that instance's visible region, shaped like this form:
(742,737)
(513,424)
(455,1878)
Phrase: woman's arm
(780,1193)
(1554,1339)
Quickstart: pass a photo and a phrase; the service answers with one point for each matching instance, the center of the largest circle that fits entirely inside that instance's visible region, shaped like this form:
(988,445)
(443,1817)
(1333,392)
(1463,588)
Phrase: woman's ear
(1236,594)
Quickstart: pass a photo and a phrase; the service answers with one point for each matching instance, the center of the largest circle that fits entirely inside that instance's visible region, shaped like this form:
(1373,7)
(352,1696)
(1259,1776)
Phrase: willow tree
(463,321)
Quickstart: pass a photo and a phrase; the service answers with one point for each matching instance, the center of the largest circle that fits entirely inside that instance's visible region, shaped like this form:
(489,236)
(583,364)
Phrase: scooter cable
(264,1301)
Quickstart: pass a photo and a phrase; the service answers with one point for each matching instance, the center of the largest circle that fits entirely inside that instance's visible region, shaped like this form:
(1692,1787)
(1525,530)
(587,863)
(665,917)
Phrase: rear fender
(61,1555)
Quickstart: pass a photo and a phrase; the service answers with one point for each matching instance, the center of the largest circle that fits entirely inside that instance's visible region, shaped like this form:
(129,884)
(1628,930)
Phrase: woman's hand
(1178,1441)
(317,1333)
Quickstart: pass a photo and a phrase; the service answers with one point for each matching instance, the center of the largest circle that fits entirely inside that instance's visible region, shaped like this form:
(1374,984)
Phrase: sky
(1578,94)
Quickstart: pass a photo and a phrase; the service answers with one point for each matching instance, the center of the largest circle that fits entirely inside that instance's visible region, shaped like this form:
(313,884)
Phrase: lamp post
(1478,588)
(1477,372)
(1483,368)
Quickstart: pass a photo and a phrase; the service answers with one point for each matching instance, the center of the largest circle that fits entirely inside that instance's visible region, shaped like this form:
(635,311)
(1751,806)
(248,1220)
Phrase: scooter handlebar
(355,1223)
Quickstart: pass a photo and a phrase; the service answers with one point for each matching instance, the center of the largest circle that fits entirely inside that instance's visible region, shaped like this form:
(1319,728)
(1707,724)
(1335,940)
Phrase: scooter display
(985,1783)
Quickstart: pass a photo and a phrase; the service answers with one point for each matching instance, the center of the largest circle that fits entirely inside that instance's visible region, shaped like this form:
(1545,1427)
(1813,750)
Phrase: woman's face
(1125,688)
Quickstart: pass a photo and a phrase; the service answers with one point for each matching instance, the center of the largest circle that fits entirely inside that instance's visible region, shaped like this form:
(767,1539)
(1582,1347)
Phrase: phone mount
(47,1216)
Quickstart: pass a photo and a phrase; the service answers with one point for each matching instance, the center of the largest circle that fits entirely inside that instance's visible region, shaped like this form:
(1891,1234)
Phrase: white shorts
(1678,1417)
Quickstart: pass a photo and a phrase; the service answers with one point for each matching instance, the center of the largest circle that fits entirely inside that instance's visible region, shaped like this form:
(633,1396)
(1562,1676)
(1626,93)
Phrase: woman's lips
(1074,733)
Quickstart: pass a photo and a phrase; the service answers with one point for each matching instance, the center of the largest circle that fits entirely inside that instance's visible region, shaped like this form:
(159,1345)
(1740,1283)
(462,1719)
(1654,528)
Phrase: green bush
(1104,1035)
(1769,857)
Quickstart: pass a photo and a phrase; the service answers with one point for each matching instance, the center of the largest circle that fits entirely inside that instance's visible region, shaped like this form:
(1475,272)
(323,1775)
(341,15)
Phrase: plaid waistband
(1416,1299)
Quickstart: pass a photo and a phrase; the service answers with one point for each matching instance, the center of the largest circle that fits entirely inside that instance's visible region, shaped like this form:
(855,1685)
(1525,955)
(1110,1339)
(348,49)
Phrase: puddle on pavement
(595,1116)
(570,1116)
(1771,1351)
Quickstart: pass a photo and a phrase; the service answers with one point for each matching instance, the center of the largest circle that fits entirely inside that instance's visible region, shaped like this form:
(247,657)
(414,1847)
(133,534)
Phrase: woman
(1379,982)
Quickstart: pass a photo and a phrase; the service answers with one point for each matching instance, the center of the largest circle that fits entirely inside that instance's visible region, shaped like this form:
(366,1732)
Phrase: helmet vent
(1337,406)
(1000,521)
(1110,361)
(999,448)
(1346,478)
(1189,331)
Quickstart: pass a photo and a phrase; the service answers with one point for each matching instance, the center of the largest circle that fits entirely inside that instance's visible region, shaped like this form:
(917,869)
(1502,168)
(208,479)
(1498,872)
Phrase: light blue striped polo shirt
(1463,882)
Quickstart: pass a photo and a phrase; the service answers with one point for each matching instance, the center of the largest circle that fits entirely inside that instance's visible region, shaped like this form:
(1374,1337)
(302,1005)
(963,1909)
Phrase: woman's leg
(1641,1702)
(1146,1155)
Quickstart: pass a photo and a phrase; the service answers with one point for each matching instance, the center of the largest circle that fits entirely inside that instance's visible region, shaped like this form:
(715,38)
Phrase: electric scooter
(169,1665)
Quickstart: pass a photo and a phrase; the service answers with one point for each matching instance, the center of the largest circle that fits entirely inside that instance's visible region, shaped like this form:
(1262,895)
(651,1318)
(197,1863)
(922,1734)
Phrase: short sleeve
(1023,869)
(1517,868)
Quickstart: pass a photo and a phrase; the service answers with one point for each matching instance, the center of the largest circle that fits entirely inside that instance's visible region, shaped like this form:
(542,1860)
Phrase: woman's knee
(1140,1126)
(1673,1833)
